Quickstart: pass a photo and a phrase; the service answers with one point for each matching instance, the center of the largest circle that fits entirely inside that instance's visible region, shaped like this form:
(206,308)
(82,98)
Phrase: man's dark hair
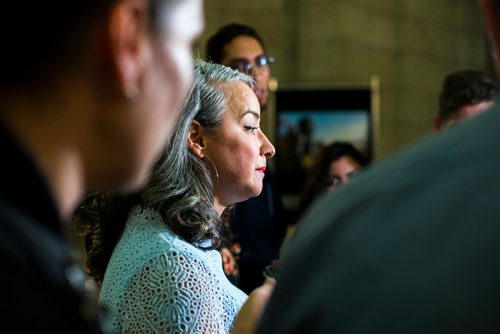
(216,43)
(465,87)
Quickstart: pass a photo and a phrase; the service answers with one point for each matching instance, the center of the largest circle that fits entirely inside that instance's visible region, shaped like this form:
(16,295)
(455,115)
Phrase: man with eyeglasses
(241,48)
(257,226)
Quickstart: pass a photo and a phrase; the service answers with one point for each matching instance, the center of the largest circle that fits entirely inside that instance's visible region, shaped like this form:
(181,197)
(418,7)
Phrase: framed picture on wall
(308,120)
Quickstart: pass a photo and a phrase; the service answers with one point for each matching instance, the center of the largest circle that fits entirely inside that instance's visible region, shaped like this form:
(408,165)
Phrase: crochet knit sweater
(157,282)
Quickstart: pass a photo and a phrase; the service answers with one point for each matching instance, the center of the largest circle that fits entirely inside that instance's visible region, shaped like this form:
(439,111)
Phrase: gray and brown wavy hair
(180,185)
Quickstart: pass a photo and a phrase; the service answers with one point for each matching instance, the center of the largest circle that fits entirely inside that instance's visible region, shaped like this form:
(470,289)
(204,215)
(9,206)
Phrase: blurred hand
(228,261)
(236,248)
(249,316)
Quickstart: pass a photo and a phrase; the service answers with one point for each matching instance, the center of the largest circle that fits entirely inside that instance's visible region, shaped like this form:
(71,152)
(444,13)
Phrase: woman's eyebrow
(251,112)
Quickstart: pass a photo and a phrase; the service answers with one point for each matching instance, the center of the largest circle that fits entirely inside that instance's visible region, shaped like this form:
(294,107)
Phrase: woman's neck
(219,207)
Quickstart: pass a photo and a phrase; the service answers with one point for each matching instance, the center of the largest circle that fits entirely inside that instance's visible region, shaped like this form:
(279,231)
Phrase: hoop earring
(213,165)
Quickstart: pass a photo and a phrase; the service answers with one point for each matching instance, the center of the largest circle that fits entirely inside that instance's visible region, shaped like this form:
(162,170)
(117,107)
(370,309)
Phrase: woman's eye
(252,129)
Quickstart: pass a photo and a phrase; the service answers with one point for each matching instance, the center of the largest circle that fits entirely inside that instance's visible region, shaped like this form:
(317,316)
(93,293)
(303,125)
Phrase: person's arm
(251,312)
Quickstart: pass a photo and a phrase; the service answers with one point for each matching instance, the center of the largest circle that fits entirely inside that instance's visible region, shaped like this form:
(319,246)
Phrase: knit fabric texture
(158,282)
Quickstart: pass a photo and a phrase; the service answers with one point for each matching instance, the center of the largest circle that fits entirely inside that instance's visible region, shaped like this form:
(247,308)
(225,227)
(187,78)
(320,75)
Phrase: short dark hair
(216,43)
(465,87)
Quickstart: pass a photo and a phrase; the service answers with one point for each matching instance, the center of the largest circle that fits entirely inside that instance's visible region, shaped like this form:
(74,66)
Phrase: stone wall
(410,45)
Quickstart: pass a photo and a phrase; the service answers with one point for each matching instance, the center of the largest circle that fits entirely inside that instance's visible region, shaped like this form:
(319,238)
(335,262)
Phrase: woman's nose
(267,149)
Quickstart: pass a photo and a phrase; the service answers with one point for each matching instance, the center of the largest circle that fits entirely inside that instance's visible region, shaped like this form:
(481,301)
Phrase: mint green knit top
(157,282)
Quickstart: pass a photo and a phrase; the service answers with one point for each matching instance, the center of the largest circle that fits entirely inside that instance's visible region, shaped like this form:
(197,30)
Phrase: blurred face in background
(341,171)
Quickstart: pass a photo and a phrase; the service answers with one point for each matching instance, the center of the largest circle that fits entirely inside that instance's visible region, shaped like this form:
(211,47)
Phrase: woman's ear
(196,139)
(125,40)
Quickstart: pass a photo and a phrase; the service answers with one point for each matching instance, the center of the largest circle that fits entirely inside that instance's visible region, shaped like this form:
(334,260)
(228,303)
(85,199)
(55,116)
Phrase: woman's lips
(262,169)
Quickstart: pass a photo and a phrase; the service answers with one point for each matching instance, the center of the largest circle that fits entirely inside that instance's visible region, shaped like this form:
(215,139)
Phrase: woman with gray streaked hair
(164,274)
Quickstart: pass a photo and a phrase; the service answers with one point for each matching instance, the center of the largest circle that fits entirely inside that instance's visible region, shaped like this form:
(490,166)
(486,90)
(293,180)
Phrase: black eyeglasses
(243,65)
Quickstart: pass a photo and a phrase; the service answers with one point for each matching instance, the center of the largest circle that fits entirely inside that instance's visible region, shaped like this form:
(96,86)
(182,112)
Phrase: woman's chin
(256,191)
(250,194)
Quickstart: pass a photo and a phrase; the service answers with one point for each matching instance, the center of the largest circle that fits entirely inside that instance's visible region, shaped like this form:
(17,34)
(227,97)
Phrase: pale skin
(82,130)
(239,150)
